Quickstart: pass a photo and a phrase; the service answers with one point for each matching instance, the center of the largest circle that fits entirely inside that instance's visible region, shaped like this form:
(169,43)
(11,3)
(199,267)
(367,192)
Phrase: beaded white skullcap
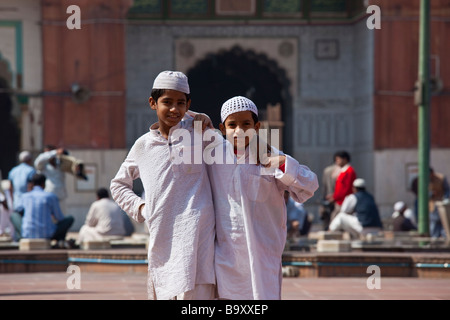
(237,104)
(173,80)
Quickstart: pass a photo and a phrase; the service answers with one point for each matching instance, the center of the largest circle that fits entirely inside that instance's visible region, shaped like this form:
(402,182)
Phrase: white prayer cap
(173,80)
(24,156)
(359,183)
(399,206)
(237,104)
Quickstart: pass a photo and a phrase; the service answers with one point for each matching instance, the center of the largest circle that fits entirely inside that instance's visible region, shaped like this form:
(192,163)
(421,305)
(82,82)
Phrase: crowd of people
(33,199)
(346,204)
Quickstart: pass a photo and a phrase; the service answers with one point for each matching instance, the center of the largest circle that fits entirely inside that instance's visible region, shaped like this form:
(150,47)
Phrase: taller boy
(178,207)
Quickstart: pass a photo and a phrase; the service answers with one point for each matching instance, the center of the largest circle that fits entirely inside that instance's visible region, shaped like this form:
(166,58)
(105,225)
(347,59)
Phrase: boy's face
(237,124)
(170,108)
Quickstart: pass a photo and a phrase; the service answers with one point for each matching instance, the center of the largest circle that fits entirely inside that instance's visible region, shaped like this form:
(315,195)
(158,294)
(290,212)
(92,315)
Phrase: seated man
(105,218)
(358,212)
(6,208)
(298,223)
(41,209)
(402,217)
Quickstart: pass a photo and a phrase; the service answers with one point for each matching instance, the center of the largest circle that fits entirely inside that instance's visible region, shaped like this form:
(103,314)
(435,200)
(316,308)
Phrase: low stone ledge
(95,245)
(34,244)
(334,246)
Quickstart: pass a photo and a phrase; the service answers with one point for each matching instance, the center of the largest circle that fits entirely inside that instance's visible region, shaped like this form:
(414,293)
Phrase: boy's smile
(236,125)
(170,109)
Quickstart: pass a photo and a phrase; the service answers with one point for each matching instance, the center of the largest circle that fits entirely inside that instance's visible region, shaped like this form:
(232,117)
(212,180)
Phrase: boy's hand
(203,117)
(275,161)
(206,121)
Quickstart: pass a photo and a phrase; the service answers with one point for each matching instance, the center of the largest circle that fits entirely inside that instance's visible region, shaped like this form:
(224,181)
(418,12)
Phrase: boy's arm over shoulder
(300,180)
(122,188)
(202,117)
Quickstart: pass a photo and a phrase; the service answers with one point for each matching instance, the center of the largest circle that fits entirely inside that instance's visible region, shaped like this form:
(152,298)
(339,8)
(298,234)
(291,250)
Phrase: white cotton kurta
(251,225)
(56,179)
(178,210)
(104,218)
(6,226)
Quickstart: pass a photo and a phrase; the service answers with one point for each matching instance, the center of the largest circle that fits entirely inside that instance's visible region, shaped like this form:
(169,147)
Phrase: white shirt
(251,225)
(407,214)
(106,217)
(178,211)
(349,204)
(56,179)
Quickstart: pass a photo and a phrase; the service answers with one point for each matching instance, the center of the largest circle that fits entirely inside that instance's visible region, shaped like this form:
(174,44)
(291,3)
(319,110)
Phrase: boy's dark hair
(102,193)
(342,154)
(38,179)
(157,93)
(255,117)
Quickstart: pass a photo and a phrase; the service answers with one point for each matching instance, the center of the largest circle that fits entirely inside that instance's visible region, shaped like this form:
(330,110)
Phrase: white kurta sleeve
(122,188)
(43,159)
(91,219)
(299,180)
(349,204)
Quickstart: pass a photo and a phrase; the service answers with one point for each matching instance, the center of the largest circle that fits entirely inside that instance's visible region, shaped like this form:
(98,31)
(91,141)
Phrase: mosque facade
(315,69)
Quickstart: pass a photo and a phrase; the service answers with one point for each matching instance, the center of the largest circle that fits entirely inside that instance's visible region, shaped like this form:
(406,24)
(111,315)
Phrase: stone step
(327,235)
(34,244)
(334,246)
(95,245)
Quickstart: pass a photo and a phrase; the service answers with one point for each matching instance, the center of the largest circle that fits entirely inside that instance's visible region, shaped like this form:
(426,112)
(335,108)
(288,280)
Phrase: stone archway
(220,76)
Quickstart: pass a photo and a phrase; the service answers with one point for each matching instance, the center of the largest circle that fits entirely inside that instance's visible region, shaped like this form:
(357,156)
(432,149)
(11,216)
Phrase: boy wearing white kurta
(178,207)
(251,211)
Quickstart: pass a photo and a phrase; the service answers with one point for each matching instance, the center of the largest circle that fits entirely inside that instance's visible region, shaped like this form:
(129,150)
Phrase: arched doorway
(233,72)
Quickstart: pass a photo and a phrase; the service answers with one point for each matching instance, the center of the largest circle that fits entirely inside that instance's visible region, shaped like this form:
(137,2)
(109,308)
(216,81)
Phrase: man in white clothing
(359,213)
(105,218)
(54,163)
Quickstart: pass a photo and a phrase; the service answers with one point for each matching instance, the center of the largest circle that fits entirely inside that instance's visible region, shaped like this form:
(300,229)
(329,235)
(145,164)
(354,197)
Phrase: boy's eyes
(169,102)
(245,124)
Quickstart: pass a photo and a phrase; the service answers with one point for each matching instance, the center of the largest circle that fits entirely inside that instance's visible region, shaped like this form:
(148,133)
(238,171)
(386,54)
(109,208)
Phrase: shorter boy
(250,208)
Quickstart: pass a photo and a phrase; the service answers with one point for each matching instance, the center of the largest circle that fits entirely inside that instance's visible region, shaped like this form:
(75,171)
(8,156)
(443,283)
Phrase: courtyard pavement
(132,286)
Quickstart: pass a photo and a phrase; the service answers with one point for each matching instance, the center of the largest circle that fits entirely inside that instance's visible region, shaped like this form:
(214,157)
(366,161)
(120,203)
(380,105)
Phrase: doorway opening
(237,72)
